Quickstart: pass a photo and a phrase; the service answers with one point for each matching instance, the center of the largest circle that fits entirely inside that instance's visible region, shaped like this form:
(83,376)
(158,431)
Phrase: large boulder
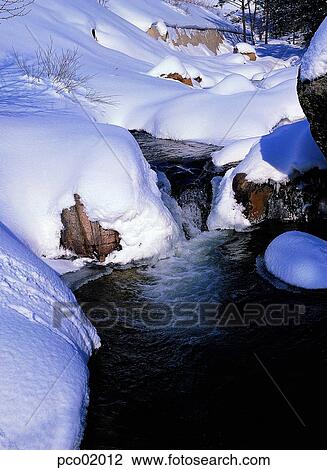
(312,86)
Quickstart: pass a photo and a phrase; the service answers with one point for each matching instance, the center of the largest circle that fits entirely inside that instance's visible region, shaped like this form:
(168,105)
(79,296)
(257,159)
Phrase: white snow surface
(314,62)
(298,259)
(275,157)
(245,48)
(45,342)
(54,146)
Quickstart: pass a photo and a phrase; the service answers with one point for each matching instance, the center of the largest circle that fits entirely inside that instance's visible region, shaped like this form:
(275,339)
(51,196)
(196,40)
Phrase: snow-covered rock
(233,84)
(312,86)
(275,158)
(246,49)
(314,62)
(102,164)
(45,342)
(298,259)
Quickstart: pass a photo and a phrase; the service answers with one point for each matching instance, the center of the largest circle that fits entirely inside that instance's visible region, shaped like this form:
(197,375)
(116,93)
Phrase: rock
(254,197)
(183,36)
(246,49)
(179,78)
(313,99)
(86,238)
(303,198)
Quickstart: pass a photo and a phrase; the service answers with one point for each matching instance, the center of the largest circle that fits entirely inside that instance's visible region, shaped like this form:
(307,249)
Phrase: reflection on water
(200,386)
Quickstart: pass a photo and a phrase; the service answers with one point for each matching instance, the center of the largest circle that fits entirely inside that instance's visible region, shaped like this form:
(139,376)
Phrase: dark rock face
(304,198)
(313,99)
(86,238)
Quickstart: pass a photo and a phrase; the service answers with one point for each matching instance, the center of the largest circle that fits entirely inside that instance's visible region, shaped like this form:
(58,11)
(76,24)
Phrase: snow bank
(298,259)
(245,48)
(103,164)
(170,64)
(234,152)
(45,342)
(275,157)
(233,84)
(314,62)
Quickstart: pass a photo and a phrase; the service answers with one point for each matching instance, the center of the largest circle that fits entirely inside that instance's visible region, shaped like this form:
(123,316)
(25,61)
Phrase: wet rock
(84,237)
(304,198)
(179,78)
(313,99)
(254,197)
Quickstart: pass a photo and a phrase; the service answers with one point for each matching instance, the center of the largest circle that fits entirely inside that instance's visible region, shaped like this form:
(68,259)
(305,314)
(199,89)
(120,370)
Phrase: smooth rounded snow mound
(233,84)
(245,48)
(299,259)
(314,62)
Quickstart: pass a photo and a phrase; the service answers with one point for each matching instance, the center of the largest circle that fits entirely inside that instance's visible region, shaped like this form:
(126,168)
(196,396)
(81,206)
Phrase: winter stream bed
(185,364)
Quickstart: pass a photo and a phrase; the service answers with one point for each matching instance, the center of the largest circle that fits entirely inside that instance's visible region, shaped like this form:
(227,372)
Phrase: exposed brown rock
(179,78)
(303,198)
(86,238)
(252,196)
(179,36)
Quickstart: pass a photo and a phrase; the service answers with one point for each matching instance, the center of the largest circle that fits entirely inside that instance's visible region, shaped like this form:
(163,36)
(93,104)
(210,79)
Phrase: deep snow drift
(298,259)
(45,342)
(314,62)
(102,164)
(275,157)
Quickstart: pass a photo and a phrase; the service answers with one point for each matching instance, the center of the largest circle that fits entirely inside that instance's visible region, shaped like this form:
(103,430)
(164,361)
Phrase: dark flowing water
(160,382)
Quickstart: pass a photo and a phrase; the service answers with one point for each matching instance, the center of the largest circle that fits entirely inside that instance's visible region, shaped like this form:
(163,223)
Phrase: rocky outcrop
(313,99)
(179,78)
(185,36)
(84,237)
(304,198)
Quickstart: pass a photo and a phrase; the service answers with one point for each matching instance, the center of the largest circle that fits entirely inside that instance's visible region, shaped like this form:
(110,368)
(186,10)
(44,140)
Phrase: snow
(314,62)
(162,28)
(275,157)
(245,48)
(169,64)
(299,259)
(103,164)
(44,353)
(234,152)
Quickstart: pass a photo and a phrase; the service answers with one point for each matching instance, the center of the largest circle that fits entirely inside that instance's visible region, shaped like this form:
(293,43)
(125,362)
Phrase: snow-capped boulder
(246,49)
(171,67)
(298,259)
(45,343)
(68,155)
(312,85)
(283,176)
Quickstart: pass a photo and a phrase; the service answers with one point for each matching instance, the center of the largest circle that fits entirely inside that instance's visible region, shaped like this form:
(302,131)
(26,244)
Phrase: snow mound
(170,64)
(314,62)
(101,163)
(245,48)
(234,152)
(233,84)
(274,157)
(299,259)
(45,342)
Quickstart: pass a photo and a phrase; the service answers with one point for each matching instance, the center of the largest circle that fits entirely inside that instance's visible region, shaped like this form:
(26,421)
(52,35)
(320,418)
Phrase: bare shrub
(62,69)
(12,8)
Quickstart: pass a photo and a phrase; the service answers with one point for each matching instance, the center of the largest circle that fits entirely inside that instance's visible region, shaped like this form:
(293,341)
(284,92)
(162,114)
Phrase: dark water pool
(204,386)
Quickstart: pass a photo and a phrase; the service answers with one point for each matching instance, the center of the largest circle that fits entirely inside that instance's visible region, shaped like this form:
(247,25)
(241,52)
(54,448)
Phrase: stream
(173,374)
